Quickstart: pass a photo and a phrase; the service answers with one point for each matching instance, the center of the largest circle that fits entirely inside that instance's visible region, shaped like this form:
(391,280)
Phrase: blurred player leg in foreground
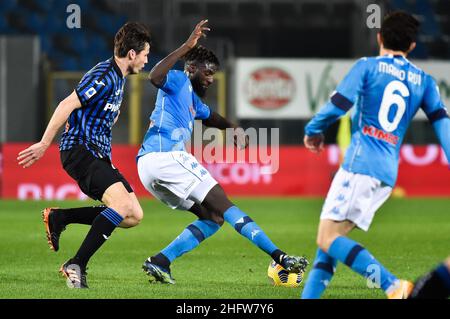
(435,284)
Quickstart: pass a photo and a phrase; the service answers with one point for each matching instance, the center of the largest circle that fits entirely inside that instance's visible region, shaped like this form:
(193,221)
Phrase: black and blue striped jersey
(100,92)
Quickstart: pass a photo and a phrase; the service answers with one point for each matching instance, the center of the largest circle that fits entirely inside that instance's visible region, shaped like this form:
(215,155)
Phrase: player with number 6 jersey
(386,92)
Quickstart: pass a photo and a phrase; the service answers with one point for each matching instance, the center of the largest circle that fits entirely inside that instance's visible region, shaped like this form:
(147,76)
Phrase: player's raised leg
(168,179)
(56,220)
(217,202)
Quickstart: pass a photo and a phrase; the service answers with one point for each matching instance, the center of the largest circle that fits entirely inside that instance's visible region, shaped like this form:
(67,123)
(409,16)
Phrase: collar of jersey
(394,56)
(116,67)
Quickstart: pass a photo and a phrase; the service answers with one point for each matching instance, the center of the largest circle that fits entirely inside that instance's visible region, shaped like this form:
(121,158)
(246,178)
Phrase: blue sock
(361,261)
(190,238)
(320,275)
(245,226)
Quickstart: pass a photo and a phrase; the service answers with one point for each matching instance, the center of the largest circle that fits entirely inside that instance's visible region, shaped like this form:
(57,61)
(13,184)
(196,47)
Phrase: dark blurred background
(45,58)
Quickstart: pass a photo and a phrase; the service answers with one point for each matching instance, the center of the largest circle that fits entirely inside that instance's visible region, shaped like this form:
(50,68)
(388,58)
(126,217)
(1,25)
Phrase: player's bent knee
(321,243)
(218,219)
(138,214)
(125,208)
(324,242)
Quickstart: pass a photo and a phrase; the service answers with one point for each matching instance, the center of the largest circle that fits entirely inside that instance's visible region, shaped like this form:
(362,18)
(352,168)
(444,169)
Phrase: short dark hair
(399,30)
(132,35)
(200,54)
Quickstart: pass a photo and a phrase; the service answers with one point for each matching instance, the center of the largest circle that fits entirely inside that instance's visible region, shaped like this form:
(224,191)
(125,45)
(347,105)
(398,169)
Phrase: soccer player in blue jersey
(174,176)
(89,114)
(386,91)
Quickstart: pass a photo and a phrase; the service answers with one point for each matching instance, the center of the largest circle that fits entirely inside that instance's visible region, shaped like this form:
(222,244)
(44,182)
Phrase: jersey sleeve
(341,100)
(351,86)
(174,81)
(442,130)
(202,111)
(326,116)
(432,104)
(437,114)
(92,87)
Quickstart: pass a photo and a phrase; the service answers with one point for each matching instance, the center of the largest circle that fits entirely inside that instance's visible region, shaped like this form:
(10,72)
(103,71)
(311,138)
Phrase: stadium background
(302,47)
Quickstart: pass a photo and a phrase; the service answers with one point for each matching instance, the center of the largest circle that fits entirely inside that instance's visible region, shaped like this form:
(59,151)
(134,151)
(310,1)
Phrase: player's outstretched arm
(437,114)
(32,154)
(158,74)
(241,140)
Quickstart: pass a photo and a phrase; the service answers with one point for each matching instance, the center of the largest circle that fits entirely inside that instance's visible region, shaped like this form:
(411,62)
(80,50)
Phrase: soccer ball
(278,276)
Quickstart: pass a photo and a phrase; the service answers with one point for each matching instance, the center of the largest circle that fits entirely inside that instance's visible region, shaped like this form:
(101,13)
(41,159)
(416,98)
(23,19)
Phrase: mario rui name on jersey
(388,68)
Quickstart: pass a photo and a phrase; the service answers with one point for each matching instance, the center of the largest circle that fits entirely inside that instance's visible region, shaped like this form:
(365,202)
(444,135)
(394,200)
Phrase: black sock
(79,215)
(432,285)
(102,227)
(161,260)
(277,254)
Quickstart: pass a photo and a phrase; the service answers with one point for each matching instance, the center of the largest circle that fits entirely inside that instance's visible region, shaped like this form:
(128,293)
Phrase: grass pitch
(409,236)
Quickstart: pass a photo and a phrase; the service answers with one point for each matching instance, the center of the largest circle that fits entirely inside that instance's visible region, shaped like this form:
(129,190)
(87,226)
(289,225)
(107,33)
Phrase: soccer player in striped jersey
(85,150)
(175,177)
(387,92)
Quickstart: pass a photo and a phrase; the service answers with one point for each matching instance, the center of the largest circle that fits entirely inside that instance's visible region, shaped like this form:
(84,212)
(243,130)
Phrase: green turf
(408,235)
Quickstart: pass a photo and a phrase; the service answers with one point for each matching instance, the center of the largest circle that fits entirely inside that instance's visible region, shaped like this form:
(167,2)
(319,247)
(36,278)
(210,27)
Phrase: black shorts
(93,175)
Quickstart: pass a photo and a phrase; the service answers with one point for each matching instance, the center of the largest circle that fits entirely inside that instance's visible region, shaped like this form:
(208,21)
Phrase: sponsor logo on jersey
(114,107)
(380,134)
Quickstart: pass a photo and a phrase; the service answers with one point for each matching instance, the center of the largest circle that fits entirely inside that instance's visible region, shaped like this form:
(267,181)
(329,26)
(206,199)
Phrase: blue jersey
(100,92)
(386,91)
(172,120)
